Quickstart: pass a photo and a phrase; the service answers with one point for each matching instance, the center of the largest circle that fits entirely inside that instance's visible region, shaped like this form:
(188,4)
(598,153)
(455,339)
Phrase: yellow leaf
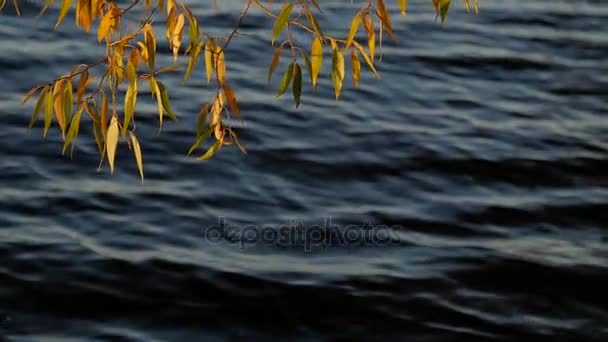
(337,73)
(317,60)
(58,104)
(177,35)
(112,142)
(220,65)
(170,6)
(367,59)
(150,42)
(467,5)
(130,103)
(209,66)
(281,21)
(83,14)
(356,65)
(403,6)
(137,152)
(354,26)
(368,23)
(216,111)
(104,26)
(65,7)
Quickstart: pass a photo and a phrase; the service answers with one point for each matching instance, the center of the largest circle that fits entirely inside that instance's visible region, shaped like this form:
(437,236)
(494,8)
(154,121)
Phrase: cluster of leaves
(129,64)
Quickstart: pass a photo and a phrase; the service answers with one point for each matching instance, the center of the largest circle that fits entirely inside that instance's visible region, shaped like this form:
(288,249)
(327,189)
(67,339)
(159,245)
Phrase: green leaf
(165,100)
(38,108)
(68,101)
(73,130)
(297,84)
(201,119)
(201,138)
(281,21)
(193,60)
(130,103)
(444,7)
(308,63)
(212,150)
(286,81)
(98,136)
(48,112)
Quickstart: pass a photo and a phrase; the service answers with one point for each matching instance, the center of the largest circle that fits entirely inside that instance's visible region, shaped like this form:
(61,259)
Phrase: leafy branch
(130,60)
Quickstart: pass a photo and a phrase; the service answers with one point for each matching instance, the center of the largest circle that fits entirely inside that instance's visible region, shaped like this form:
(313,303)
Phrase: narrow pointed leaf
(65,7)
(41,101)
(337,73)
(276,57)
(212,150)
(354,26)
(369,62)
(130,103)
(209,66)
(112,142)
(297,84)
(308,64)
(48,111)
(286,80)
(281,21)
(137,153)
(403,6)
(444,7)
(356,65)
(231,98)
(164,95)
(73,130)
(104,115)
(201,138)
(317,60)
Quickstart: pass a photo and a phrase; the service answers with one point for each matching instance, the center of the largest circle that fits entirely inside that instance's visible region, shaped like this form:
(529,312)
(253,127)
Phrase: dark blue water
(480,161)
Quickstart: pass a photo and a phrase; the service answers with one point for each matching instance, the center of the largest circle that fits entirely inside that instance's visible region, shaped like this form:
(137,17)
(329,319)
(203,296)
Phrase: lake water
(477,168)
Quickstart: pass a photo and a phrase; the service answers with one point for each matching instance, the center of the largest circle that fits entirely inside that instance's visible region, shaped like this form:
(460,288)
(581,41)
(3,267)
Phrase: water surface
(481,153)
